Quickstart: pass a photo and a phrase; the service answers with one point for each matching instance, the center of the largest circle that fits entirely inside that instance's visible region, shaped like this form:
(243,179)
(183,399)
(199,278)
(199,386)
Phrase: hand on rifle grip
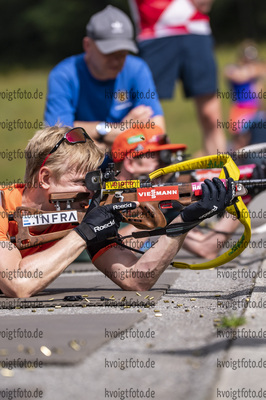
(102,223)
(215,198)
(95,201)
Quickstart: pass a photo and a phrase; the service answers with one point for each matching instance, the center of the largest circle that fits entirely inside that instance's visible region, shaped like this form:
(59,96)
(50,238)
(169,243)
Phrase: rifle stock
(151,214)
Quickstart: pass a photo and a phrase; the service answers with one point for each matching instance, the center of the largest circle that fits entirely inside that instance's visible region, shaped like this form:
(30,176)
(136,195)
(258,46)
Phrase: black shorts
(189,58)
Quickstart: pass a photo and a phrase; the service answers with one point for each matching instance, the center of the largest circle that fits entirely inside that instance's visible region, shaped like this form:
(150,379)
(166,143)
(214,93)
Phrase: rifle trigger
(118,195)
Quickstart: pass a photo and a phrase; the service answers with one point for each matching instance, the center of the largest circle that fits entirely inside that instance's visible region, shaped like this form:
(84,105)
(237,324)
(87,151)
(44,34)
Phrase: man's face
(71,182)
(104,66)
(146,164)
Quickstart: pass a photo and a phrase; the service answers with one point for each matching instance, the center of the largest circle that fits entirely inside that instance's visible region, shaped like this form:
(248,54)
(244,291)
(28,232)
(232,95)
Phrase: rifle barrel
(249,184)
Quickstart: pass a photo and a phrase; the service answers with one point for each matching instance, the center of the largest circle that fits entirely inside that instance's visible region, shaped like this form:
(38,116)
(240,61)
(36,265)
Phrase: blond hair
(78,157)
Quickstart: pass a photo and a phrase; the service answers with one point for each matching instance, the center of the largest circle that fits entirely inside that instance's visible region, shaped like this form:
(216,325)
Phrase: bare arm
(139,114)
(203,6)
(244,73)
(160,121)
(209,245)
(50,264)
(133,273)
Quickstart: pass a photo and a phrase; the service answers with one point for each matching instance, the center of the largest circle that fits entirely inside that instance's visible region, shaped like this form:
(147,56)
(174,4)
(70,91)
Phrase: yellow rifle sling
(239,210)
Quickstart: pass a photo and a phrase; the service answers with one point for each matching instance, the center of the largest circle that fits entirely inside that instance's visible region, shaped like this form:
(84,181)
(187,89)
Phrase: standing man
(105,90)
(175,40)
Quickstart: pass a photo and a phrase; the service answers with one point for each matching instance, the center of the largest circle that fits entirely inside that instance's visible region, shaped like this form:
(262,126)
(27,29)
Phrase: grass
(29,110)
(232,322)
(182,125)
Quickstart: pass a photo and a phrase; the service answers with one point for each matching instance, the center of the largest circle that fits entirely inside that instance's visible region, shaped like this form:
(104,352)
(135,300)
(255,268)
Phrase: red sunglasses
(75,135)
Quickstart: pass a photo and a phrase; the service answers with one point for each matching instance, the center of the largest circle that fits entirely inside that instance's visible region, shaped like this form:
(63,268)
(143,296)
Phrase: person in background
(246,79)
(138,152)
(174,38)
(105,90)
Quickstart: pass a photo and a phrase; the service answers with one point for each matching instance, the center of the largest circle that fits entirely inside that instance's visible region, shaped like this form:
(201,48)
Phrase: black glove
(102,222)
(215,198)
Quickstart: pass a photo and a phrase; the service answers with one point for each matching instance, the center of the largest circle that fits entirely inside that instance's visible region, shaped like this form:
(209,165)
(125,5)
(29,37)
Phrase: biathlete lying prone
(63,156)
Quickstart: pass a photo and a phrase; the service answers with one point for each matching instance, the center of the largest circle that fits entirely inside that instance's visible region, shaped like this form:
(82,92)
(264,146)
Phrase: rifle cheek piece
(93,180)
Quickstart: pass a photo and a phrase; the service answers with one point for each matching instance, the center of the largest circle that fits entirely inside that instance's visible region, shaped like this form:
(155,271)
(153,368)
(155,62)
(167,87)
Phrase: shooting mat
(86,290)
(60,339)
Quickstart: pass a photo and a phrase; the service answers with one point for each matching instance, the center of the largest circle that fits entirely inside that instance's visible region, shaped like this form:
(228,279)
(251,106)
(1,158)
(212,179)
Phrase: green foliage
(235,20)
(34,33)
(232,322)
(12,168)
(44,31)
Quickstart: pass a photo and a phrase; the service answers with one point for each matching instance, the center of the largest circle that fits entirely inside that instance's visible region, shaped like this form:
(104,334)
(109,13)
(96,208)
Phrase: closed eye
(80,182)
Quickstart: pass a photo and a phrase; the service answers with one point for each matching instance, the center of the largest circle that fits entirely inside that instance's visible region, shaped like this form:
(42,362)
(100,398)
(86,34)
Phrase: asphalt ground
(176,351)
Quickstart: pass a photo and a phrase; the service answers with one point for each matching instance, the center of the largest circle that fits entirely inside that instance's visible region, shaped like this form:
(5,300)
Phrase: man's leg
(199,77)
(209,113)
(163,57)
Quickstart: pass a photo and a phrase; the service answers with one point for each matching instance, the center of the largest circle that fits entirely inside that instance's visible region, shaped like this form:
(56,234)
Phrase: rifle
(158,202)
(247,168)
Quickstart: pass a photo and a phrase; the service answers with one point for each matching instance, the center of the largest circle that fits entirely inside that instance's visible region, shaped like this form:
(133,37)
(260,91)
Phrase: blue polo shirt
(75,95)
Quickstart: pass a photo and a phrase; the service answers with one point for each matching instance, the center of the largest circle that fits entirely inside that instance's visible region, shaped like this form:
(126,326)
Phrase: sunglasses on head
(75,135)
(159,139)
